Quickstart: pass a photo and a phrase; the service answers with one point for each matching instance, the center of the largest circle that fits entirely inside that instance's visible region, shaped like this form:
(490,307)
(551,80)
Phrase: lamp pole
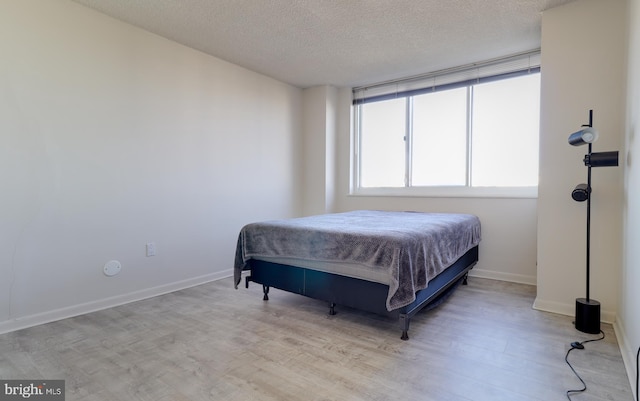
(588,163)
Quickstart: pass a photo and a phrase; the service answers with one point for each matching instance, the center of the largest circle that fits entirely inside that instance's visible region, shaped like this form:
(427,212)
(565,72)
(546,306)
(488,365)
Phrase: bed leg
(464,280)
(332,309)
(404,325)
(265,290)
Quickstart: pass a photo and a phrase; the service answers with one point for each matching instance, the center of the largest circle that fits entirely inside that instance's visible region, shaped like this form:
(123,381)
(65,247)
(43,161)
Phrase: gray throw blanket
(412,247)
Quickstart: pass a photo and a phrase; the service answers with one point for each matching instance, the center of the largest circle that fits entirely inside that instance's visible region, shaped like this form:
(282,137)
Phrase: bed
(388,263)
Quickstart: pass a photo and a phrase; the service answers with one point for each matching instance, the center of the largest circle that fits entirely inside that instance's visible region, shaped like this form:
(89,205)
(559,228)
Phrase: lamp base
(587,316)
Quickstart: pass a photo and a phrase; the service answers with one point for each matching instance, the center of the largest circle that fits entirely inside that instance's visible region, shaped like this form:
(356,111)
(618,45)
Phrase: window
(469,135)
(440,138)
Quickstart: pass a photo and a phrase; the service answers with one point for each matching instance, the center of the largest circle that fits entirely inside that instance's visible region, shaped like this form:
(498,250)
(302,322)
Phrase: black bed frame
(355,293)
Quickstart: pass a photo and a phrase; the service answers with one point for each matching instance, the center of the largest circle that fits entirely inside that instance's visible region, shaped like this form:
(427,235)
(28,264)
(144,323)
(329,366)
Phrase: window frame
(457,191)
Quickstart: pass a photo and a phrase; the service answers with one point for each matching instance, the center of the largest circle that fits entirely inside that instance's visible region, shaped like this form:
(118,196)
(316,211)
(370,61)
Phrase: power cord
(578,345)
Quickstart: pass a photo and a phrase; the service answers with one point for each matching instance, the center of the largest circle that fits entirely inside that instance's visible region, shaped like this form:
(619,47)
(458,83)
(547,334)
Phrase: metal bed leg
(265,290)
(404,325)
(464,280)
(332,308)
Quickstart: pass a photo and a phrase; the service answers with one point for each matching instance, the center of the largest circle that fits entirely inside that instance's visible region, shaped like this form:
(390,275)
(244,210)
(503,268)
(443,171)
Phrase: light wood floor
(212,342)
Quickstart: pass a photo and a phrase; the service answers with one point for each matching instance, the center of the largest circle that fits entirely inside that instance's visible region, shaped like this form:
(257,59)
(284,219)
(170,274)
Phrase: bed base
(355,293)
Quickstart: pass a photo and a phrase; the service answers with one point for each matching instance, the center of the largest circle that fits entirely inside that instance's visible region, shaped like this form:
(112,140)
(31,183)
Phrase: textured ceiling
(340,42)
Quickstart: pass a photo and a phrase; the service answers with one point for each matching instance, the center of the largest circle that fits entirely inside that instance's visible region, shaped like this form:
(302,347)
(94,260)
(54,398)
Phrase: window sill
(451,192)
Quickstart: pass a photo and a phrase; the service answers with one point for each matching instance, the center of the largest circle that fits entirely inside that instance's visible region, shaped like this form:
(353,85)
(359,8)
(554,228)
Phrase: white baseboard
(628,354)
(561,308)
(495,275)
(93,306)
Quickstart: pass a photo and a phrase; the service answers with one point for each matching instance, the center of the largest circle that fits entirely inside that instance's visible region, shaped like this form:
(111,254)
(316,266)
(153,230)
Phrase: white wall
(319,114)
(111,137)
(628,320)
(583,68)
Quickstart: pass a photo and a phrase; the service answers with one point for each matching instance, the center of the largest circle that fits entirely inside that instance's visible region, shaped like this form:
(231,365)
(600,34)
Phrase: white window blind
(490,70)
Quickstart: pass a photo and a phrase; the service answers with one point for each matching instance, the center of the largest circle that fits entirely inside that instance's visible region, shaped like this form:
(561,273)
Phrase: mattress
(353,270)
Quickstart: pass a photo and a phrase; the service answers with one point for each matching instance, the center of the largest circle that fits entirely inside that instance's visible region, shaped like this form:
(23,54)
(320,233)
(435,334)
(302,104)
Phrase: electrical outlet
(151,249)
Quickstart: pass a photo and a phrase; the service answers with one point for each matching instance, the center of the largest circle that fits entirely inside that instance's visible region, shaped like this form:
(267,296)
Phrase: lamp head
(584,136)
(601,159)
(581,193)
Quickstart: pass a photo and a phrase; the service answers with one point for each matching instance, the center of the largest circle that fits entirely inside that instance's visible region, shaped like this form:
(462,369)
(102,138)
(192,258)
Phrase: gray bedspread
(412,247)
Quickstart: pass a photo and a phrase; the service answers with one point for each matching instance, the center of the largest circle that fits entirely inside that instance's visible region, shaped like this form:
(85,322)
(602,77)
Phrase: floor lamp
(587,309)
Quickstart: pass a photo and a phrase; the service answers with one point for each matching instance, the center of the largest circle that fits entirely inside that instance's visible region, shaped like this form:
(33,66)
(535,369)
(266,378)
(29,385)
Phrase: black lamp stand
(587,309)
